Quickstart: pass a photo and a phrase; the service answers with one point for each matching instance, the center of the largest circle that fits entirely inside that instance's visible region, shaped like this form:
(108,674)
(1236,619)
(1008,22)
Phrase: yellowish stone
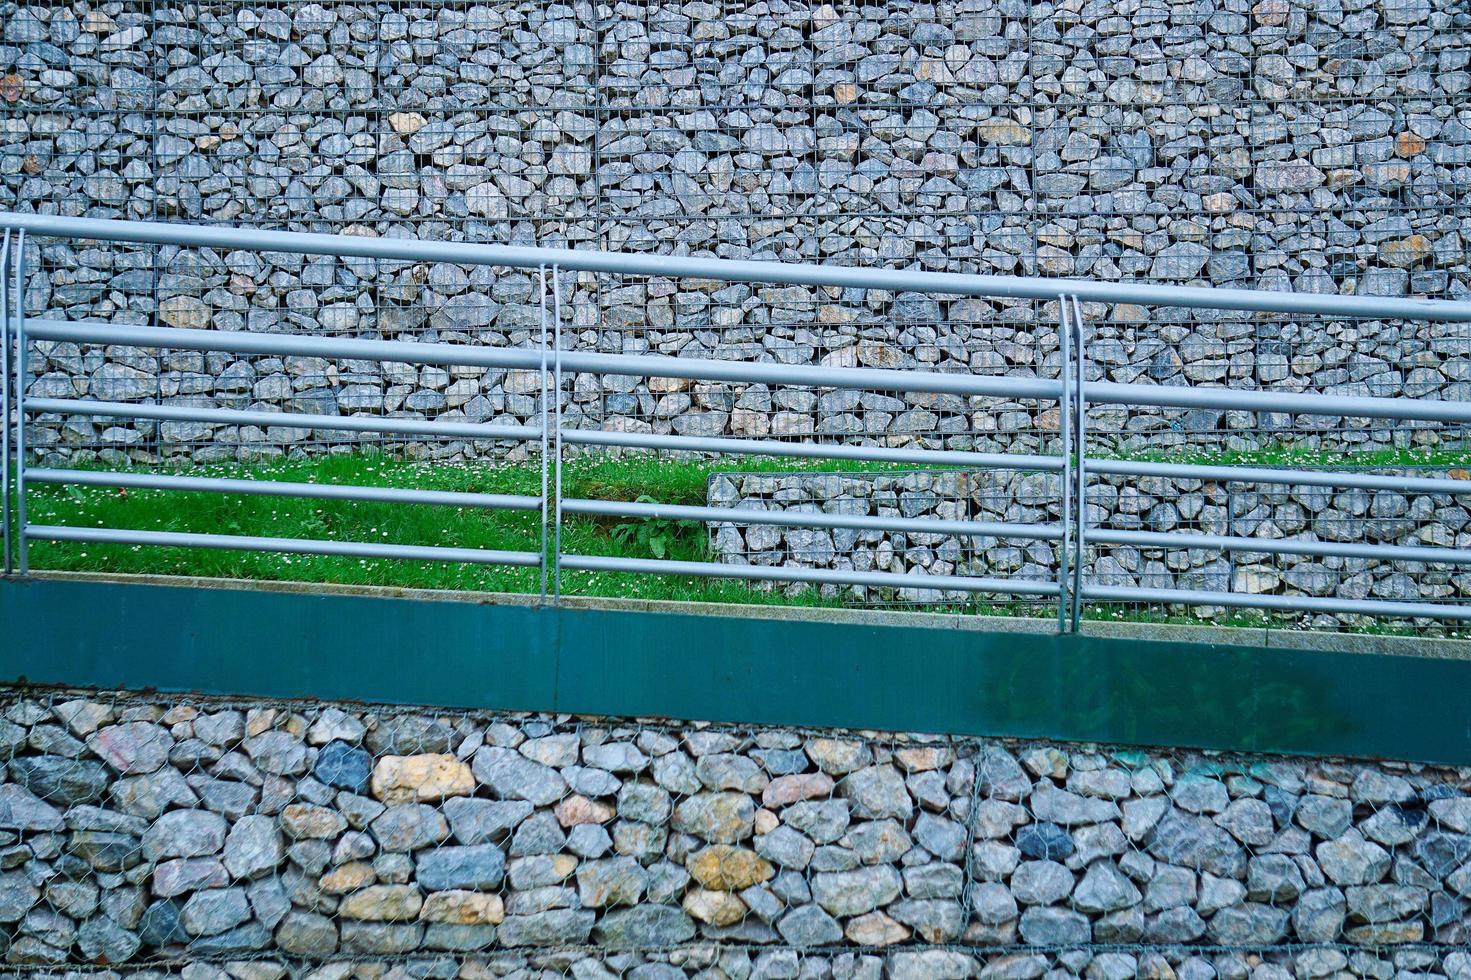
(1405,252)
(425,778)
(721,867)
(715,908)
(406,123)
(347,878)
(383,903)
(1004,132)
(465,908)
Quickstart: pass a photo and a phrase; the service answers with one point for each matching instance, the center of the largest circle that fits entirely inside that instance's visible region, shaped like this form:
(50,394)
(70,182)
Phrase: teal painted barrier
(780,671)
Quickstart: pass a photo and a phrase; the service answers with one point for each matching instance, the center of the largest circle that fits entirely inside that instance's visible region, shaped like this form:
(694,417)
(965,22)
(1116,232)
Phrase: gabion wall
(1304,144)
(1310,514)
(263,838)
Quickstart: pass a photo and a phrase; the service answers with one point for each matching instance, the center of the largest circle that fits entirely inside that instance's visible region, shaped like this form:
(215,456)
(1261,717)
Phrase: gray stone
(1104,889)
(408,827)
(20,809)
(512,776)
(850,893)
(1044,841)
(721,818)
(1250,923)
(558,927)
(478,866)
(809,925)
(101,940)
(1053,926)
(1197,843)
(1352,860)
(876,792)
(161,926)
(215,910)
(344,766)
(644,925)
(475,821)
(66,782)
(253,847)
(132,748)
(307,934)
(184,833)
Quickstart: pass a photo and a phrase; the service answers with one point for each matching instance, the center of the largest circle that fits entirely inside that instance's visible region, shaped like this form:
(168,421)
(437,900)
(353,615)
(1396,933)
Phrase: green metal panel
(732,668)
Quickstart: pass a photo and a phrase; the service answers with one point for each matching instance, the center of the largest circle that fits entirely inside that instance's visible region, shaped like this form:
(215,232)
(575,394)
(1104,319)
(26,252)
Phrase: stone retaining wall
(1116,503)
(143,829)
(1283,144)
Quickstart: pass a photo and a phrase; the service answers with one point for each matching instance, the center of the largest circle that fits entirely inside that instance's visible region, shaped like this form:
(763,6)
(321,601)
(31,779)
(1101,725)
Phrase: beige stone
(406,123)
(464,908)
(307,820)
(188,312)
(876,929)
(425,778)
(786,790)
(576,810)
(714,907)
(665,386)
(1004,132)
(924,759)
(721,867)
(383,903)
(347,878)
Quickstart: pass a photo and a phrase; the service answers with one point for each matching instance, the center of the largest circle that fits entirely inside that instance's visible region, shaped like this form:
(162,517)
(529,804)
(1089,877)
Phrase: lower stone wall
(1115,503)
(707,962)
(141,830)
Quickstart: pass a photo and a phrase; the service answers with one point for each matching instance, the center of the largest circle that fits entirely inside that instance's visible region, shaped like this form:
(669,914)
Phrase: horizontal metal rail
(1282,476)
(1398,609)
(868,379)
(815,576)
(731,270)
(529,359)
(282,488)
(549,362)
(288,420)
(288,546)
(808,450)
(1177,540)
(815,519)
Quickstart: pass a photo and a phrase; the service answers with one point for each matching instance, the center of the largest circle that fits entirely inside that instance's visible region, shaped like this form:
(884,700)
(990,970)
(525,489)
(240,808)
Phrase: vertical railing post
(5,397)
(544,428)
(557,430)
(1080,346)
(19,299)
(1065,450)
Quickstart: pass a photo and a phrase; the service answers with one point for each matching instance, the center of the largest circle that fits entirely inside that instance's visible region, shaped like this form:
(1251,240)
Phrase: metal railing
(1070,536)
